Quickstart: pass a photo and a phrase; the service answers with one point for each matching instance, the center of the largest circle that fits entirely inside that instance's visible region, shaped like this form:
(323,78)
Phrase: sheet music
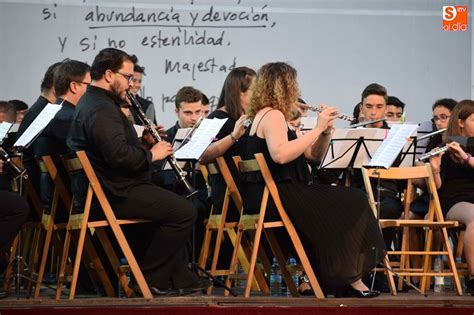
(343,144)
(178,139)
(14,128)
(4,128)
(38,125)
(139,130)
(201,139)
(393,144)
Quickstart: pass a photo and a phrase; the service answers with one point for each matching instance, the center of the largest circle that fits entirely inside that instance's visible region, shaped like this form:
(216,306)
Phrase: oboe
(319,109)
(17,170)
(180,174)
(433,152)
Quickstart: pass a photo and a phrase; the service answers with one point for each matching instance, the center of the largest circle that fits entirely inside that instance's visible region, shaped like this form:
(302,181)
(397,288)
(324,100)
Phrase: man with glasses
(71,79)
(147,106)
(123,164)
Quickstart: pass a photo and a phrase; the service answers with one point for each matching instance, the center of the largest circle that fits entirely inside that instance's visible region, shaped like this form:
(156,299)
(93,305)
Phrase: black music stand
(344,151)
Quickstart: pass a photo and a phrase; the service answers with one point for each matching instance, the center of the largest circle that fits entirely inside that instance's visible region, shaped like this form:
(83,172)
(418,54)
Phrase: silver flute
(433,152)
(431,134)
(319,109)
(180,174)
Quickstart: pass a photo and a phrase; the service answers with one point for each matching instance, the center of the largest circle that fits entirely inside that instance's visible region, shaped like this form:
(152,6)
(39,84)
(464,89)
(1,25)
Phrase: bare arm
(221,146)
(274,130)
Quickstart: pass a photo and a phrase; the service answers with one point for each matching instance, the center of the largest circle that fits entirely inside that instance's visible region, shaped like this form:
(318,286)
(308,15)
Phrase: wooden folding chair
(435,220)
(218,223)
(259,224)
(49,225)
(82,223)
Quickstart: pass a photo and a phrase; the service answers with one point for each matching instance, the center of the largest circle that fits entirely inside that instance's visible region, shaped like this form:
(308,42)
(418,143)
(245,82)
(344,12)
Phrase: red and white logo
(455,18)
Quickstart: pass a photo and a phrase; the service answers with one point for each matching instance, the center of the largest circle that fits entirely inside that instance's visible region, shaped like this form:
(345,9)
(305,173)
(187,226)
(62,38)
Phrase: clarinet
(180,174)
(17,170)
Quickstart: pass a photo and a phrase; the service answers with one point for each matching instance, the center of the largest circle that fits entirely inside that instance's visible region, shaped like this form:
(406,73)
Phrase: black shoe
(161,292)
(351,292)
(307,292)
(200,285)
(3,294)
(470,287)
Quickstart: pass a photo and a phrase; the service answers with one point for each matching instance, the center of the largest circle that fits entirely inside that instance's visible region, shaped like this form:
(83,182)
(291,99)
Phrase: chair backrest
(409,174)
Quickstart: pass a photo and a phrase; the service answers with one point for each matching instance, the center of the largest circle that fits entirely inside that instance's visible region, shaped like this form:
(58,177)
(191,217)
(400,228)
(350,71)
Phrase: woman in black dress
(233,102)
(337,227)
(454,177)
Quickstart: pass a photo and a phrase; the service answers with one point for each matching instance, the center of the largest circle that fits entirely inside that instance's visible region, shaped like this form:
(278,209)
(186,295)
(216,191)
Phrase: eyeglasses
(442,118)
(129,77)
(86,83)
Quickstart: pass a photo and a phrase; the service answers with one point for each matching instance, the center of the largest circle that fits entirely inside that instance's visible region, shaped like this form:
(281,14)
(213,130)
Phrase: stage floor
(404,303)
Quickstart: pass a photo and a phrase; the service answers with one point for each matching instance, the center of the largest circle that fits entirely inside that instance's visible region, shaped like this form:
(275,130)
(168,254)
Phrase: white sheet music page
(392,146)
(38,125)
(201,139)
(4,128)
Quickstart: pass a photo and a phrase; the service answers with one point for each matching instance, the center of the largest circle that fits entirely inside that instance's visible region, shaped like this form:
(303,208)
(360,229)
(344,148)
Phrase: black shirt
(101,129)
(52,140)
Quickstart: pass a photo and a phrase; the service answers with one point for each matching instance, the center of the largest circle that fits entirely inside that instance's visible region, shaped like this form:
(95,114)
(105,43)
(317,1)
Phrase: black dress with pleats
(336,225)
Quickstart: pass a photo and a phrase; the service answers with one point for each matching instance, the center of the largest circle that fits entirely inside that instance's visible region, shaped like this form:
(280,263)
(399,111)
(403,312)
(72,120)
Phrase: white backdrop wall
(338,47)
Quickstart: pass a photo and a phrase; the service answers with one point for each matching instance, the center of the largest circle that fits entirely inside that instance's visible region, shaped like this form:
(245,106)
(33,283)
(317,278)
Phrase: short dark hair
(374,89)
(395,101)
(19,104)
(205,99)
(187,94)
(108,58)
(9,110)
(67,72)
(449,103)
(48,79)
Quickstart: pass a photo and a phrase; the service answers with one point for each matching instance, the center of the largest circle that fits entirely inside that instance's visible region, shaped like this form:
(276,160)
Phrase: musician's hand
(326,118)
(239,128)
(1,166)
(161,150)
(457,152)
(435,162)
(161,131)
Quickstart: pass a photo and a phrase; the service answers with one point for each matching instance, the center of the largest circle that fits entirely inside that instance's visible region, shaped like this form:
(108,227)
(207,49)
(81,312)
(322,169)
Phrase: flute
(17,170)
(431,134)
(433,152)
(319,109)
(180,174)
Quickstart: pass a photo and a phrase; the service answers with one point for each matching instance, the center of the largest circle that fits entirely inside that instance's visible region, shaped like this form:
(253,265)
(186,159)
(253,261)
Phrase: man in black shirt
(147,106)
(71,79)
(123,167)
(47,96)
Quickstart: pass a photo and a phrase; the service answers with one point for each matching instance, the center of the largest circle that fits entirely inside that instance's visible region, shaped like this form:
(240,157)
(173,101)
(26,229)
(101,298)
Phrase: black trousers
(13,213)
(390,208)
(173,218)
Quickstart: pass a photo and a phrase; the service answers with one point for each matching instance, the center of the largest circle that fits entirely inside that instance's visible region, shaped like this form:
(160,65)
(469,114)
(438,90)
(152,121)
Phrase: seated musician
(123,166)
(453,173)
(13,213)
(229,142)
(188,111)
(71,79)
(373,107)
(339,232)
(47,96)
(441,113)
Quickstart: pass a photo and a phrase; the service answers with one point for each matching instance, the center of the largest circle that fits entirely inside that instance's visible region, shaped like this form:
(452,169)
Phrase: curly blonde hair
(275,86)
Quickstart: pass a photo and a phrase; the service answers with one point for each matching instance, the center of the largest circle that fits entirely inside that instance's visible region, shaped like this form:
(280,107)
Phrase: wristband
(468,158)
(234,140)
